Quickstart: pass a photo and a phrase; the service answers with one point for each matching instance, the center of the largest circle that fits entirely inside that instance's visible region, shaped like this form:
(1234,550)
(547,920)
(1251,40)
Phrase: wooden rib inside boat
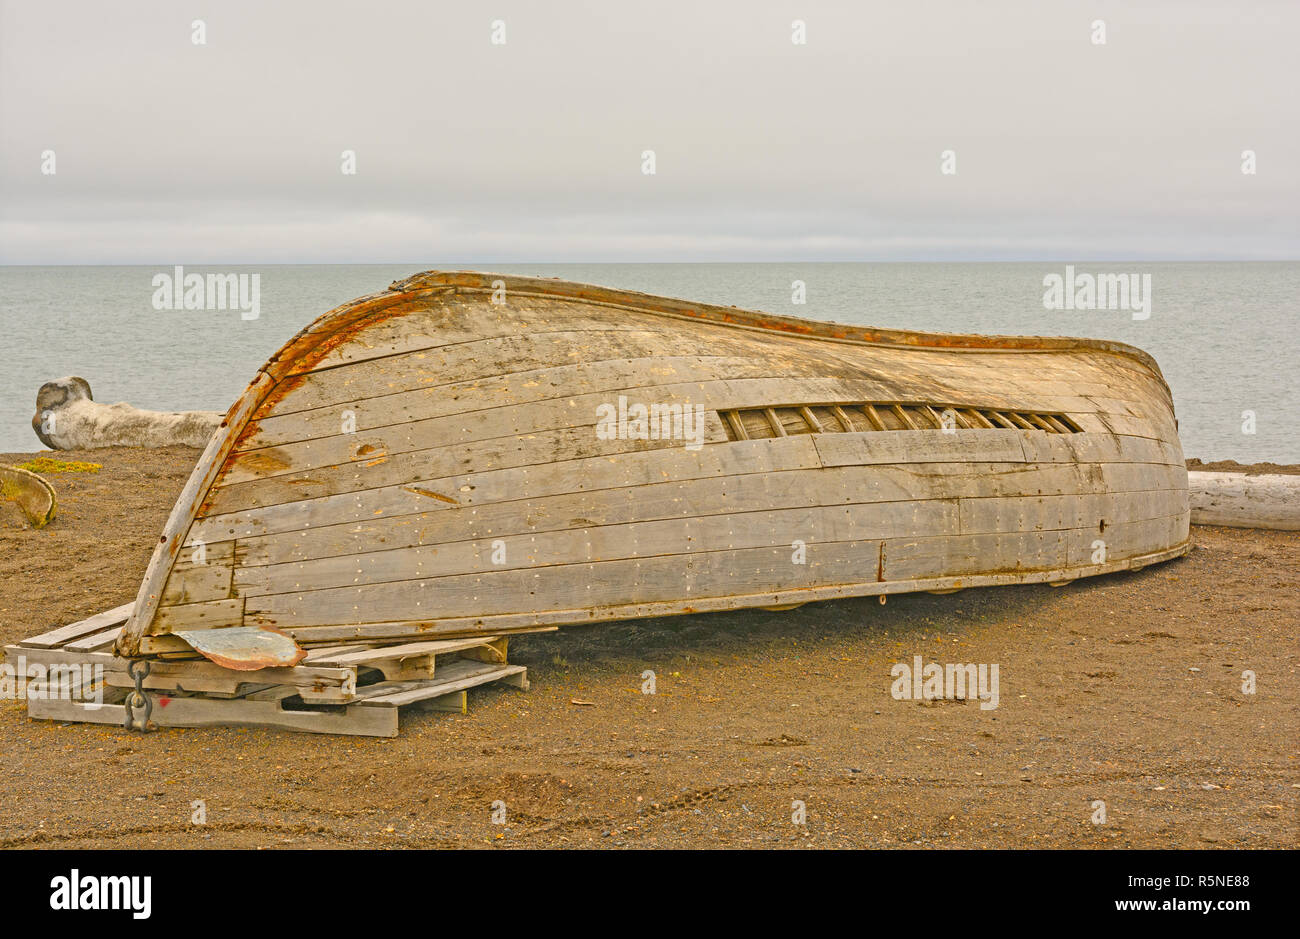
(468,454)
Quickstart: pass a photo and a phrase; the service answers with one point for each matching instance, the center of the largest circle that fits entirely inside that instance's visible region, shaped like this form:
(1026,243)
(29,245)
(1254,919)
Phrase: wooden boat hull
(465,454)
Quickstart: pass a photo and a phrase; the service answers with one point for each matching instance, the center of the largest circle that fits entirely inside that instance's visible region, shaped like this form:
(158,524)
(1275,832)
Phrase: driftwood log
(1237,500)
(68,418)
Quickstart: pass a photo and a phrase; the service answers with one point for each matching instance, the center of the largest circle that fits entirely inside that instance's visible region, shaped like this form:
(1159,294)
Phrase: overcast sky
(229,152)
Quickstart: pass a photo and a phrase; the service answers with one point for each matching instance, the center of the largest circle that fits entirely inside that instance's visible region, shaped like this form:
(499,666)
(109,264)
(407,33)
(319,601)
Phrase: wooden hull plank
(774,528)
(646,580)
(561,382)
(365,530)
(520,622)
(463,364)
(564,454)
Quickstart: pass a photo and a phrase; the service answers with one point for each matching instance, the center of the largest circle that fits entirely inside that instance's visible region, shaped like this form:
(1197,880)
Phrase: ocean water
(1224,334)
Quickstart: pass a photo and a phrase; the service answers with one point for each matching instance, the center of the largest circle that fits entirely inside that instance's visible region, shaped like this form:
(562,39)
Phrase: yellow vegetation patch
(45,464)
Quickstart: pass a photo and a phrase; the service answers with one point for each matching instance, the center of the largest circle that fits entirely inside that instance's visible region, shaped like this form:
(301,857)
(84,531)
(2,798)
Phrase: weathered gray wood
(551,414)
(418,660)
(374,527)
(459,676)
(420,468)
(550,492)
(58,685)
(458,479)
(198,675)
(201,572)
(1127,539)
(332,447)
(454,320)
(95,642)
(236,712)
(512,623)
(575,586)
(1049,513)
(904,446)
(1101,448)
(206,471)
(211,614)
(323,654)
(373,654)
(55,656)
(393,497)
(201,675)
(1155,428)
(69,684)
(464,367)
(561,382)
(474,490)
(920,558)
(92,624)
(839,523)
(1241,501)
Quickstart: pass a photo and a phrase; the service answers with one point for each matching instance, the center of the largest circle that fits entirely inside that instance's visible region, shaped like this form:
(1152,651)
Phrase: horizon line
(515,263)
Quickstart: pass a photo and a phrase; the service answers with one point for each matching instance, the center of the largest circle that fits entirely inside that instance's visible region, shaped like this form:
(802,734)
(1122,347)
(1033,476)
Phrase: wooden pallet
(355,688)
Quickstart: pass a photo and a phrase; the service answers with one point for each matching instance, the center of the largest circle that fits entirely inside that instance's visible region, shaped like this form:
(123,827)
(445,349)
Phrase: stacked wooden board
(353,688)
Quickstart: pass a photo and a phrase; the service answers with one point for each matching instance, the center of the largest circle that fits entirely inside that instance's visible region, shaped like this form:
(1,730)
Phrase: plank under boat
(464,454)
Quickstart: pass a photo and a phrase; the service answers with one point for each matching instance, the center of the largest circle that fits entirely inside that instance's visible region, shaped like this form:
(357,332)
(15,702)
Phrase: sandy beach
(1124,689)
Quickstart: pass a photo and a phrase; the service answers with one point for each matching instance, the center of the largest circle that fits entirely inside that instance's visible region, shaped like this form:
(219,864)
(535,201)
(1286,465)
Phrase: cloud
(466,151)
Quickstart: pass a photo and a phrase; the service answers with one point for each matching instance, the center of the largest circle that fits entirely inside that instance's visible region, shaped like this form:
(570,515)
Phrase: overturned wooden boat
(468,454)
